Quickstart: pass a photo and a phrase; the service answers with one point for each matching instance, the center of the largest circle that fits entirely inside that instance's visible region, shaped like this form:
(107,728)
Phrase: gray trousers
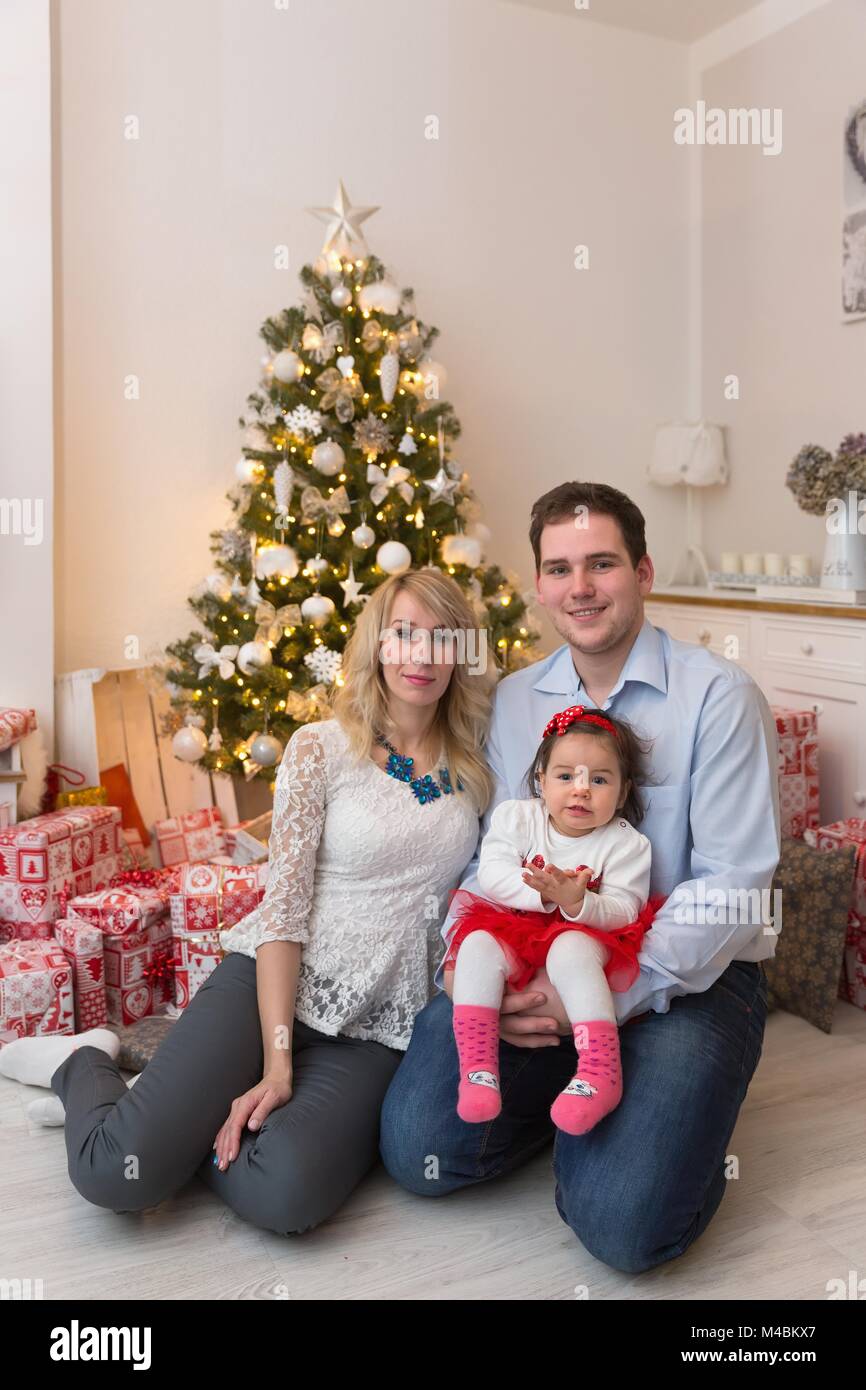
(130,1149)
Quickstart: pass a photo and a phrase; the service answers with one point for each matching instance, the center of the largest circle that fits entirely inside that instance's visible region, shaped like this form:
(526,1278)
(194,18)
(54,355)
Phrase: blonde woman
(269,1085)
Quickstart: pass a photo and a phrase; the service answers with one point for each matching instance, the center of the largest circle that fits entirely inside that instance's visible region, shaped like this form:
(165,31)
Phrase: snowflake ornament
(303,421)
(324,663)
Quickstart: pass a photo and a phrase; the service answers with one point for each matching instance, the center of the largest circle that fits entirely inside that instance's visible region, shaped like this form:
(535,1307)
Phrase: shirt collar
(645,663)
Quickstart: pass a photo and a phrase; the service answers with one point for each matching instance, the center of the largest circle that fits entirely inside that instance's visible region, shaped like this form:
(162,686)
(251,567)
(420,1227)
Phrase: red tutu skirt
(529,934)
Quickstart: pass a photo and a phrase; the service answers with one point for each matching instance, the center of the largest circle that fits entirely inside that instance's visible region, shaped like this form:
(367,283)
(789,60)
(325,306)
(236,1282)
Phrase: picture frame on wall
(854,216)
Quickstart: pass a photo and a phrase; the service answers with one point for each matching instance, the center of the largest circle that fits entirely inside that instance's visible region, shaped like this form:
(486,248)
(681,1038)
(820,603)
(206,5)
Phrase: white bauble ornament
(393,557)
(248,470)
(381,296)
(363,536)
(288,366)
(341,295)
(266,750)
(481,533)
(389,372)
(461,550)
(318,565)
(189,744)
(276,561)
(219,586)
(253,657)
(328,457)
(317,609)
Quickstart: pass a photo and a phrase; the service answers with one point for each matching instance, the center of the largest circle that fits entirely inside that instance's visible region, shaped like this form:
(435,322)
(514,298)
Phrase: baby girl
(583,921)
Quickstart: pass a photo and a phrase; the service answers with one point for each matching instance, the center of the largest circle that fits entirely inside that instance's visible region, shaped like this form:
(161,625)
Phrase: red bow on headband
(576,714)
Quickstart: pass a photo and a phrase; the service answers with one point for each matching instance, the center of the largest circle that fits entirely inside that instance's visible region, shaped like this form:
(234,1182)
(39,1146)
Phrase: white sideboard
(803,656)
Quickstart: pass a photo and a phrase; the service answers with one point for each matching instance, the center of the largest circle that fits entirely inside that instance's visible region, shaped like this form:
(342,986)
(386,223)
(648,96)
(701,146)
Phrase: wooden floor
(794,1219)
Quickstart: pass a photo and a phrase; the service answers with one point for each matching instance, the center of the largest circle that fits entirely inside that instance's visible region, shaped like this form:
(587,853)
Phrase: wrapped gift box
(82,945)
(192,838)
(852,831)
(35,990)
(139,971)
(25,931)
(196,955)
(15,724)
(797,731)
(48,858)
(120,911)
(214,897)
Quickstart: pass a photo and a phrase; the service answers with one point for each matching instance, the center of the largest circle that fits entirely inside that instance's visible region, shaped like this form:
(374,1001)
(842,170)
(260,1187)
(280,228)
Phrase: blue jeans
(646,1181)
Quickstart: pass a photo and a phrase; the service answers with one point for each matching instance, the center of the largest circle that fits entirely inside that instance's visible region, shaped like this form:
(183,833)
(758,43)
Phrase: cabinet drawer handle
(860,798)
(704,634)
(807,648)
(817,707)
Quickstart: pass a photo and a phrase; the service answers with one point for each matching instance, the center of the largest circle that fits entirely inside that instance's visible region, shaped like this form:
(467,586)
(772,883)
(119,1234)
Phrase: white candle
(753,563)
(774,565)
(800,565)
(732,562)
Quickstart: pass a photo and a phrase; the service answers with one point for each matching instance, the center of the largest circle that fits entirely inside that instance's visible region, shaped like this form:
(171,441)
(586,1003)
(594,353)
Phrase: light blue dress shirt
(713,822)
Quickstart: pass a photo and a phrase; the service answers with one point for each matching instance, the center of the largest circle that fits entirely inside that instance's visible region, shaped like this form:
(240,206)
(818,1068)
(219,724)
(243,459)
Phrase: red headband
(575,714)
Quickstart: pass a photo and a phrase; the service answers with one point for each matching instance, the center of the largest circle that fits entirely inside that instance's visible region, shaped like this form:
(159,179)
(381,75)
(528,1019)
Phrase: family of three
(557,824)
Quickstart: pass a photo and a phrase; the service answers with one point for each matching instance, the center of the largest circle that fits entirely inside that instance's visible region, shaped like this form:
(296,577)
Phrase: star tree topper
(344,224)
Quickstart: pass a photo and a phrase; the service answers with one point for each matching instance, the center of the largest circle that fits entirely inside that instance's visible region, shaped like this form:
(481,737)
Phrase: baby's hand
(565,887)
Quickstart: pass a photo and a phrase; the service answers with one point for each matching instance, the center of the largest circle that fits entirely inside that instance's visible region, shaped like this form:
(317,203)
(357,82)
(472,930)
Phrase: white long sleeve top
(360,873)
(521,833)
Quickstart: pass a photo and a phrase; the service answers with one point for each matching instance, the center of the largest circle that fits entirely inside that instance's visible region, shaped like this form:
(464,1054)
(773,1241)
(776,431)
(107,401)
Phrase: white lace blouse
(360,873)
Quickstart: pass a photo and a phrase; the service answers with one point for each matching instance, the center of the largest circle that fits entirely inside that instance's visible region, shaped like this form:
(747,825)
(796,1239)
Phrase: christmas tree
(347,476)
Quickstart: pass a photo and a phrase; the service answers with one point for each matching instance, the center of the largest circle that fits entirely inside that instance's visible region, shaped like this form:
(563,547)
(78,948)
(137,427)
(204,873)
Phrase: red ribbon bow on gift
(576,714)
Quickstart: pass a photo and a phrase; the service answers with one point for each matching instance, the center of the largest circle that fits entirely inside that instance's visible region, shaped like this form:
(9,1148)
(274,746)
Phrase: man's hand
(565,887)
(533,1018)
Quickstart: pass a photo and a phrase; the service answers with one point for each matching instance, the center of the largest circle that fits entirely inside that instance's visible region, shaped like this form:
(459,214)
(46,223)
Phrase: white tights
(575,965)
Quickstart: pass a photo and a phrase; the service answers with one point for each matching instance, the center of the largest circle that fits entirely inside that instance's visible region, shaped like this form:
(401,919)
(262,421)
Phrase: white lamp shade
(692,453)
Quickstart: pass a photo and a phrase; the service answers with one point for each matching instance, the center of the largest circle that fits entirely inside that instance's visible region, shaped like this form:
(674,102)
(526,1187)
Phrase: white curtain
(75,723)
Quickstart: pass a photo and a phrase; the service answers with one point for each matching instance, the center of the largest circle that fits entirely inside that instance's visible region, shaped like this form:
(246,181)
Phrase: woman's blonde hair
(463,713)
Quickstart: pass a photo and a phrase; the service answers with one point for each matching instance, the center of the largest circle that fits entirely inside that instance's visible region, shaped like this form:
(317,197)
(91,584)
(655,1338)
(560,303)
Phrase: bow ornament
(209,658)
(271,620)
(384,482)
(314,505)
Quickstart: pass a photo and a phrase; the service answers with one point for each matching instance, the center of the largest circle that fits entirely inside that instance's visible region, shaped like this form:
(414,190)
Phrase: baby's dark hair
(632,754)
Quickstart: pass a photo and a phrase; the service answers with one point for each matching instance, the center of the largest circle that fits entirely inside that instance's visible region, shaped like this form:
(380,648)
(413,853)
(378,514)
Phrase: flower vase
(844,563)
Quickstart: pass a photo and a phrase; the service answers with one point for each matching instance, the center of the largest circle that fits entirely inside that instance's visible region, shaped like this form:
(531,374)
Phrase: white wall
(554,131)
(771,289)
(26,362)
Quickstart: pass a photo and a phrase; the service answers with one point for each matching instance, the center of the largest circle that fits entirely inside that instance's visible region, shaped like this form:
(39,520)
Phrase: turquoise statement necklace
(425,788)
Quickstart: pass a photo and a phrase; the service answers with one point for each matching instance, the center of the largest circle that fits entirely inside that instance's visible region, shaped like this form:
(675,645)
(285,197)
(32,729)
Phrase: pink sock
(476,1032)
(596,1087)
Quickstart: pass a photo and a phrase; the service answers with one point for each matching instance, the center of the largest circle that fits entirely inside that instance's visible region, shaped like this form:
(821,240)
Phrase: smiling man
(642,1186)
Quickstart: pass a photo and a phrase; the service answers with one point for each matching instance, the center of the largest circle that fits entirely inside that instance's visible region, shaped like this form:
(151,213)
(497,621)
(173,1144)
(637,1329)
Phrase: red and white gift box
(44,859)
(191,838)
(139,973)
(120,911)
(83,948)
(214,897)
(196,955)
(35,990)
(832,837)
(15,724)
(797,731)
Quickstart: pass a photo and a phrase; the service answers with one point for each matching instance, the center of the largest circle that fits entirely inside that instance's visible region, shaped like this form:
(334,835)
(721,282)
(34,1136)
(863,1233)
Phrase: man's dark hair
(561,503)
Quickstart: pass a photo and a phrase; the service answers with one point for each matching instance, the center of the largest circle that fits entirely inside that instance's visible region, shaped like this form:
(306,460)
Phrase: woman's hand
(565,887)
(251,1109)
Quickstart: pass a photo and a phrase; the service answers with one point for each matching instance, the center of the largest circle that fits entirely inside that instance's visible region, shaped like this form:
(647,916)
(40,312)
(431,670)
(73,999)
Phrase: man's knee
(625,1229)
